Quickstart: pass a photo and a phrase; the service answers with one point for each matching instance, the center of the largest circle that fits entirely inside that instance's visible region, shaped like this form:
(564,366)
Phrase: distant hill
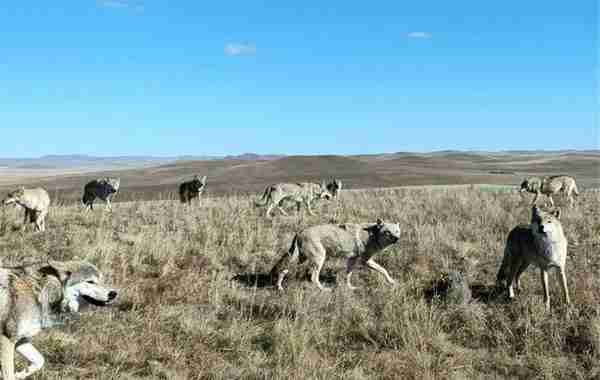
(251,173)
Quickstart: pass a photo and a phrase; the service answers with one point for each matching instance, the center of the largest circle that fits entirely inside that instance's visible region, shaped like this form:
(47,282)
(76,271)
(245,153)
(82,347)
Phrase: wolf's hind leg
(524,265)
(33,356)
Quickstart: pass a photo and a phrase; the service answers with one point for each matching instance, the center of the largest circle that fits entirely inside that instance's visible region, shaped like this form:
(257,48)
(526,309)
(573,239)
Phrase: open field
(243,176)
(182,316)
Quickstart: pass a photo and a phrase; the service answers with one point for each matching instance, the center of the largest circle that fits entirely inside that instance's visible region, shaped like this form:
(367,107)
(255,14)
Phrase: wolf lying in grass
(356,242)
(29,292)
(34,201)
(541,243)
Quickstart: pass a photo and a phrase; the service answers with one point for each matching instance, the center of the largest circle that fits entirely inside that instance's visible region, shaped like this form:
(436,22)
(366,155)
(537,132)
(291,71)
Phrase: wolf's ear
(56,269)
(203,180)
(377,226)
(557,213)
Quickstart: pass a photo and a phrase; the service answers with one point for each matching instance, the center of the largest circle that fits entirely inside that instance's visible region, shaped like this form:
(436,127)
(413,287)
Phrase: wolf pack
(31,292)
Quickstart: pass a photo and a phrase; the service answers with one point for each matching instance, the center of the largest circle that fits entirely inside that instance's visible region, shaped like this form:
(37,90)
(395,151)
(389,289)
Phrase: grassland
(181,315)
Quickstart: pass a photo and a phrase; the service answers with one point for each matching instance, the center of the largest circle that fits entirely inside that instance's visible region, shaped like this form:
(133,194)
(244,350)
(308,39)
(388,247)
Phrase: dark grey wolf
(29,292)
(34,201)
(334,187)
(300,193)
(103,188)
(542,243)
(358,243)
(191,189)
(550,185)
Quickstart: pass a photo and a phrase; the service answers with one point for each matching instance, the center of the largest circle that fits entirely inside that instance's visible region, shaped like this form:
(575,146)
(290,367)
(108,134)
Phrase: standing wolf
(34,201)
(191,189)
(304,192)
(541,243)
(29,293)
(356,242)
(103,188)
(334,187)
(550,185)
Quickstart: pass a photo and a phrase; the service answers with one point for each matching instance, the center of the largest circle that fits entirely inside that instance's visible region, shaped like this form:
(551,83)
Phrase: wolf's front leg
(8,358)
(310,211)
(544,276)
(33,356)
(351,261)
(373,265)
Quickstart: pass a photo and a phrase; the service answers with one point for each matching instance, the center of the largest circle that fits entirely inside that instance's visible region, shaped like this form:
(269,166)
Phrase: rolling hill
(244,174)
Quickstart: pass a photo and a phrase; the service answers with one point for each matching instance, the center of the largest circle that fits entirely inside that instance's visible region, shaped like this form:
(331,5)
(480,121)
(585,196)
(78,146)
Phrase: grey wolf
(29,293)
(542,243)
(334,187)
(34,201)
(103,188)
(191,189)
(358,243)
(550,185)
(304,192)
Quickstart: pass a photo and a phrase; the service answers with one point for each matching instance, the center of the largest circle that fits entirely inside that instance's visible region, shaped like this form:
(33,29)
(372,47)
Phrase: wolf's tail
(504,274)
(265,197)
(284,262)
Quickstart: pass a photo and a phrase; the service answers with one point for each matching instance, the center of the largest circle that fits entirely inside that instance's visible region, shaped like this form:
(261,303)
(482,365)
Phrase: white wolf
(34,201)
(358,243)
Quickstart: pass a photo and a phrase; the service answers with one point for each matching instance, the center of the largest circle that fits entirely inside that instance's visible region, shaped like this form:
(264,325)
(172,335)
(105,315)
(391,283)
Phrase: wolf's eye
(91,282)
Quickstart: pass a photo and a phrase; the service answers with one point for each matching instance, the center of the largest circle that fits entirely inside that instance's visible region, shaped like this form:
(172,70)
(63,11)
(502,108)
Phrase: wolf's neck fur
(551,246)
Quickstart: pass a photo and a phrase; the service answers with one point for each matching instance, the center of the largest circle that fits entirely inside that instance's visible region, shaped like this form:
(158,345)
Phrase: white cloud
(234,49)
(423,35)
(122,4)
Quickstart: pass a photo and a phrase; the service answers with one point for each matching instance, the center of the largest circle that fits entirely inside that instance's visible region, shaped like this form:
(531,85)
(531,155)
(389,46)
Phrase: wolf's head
(322,191)
(114,183)
(546,224)
(531,184)
(81,283)
(384,234)
(334,186)
(197,184)
(14,196)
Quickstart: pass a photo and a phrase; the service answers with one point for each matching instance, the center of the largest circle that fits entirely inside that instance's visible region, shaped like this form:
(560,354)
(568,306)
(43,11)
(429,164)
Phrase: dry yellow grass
(181,316)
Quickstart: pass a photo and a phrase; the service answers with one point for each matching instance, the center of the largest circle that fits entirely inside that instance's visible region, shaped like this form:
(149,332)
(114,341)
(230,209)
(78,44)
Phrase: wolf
(191,189)
(542,243)
(28,295)
(550,185)
(303,192)
(334,187)
(103,188)
(35,202)
(358,243)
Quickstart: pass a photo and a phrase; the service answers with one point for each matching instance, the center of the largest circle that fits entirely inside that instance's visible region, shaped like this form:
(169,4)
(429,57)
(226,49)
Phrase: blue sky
(119,77)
